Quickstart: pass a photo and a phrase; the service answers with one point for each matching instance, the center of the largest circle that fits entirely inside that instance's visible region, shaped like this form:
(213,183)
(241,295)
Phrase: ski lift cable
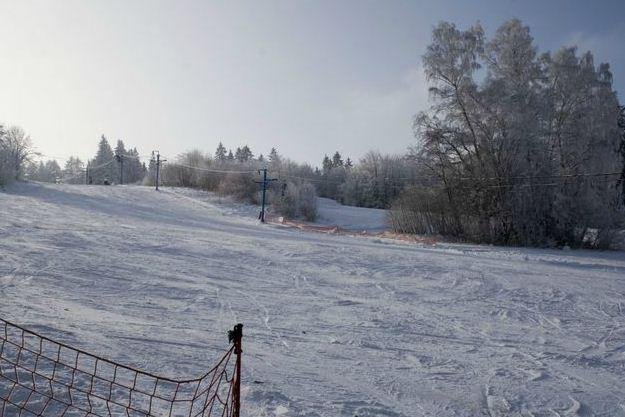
(211,169)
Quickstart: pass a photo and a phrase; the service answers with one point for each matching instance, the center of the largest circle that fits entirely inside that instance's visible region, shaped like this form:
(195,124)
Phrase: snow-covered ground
(331,213)
(334,325)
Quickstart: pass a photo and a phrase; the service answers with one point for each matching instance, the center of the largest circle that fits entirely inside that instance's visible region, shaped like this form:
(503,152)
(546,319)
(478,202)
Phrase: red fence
(44,378)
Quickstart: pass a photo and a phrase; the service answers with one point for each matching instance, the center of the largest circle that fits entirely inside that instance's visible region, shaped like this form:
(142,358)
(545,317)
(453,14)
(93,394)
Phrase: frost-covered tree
(74,171)
(103,167)
(337,161)
(326,164)
(243,154)
(150,177)
(121,160)
(15,151)
(509,149)
(106,165)
(48,171)
(134,169)
(220,152)
(274,157)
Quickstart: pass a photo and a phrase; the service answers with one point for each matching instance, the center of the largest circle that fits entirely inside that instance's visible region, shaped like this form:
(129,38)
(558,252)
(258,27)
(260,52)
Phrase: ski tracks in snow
(334,325)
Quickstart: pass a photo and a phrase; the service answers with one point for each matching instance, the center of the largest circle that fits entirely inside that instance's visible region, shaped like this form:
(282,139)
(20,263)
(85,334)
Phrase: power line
(412,180)
(219,171)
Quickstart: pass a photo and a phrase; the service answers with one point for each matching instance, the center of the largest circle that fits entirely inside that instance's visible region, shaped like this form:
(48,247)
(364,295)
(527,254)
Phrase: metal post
(158,166)
(235,335)
(264,183)
(262,210)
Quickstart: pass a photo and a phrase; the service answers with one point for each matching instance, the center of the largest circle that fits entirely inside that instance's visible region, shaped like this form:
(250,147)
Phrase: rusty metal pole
(236,335)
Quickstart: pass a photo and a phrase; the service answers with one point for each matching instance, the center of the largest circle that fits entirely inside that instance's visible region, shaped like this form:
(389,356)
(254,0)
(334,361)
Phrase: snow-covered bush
(295,200)
(240,186)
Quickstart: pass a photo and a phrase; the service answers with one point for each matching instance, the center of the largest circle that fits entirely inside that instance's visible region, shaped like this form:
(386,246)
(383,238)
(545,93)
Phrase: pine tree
(120,155)
(134,169)
(336,160)
(230,157)
(104,156)
(274,157)
(327,164)
(74,168)
(220,153)
(53,171)
(151,169)
(243,154)
(246,153)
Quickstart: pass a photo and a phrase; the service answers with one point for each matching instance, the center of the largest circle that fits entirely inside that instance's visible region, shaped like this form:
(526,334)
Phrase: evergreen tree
(134,169)
(151,170)
(120,155)
(274,157)
(336,160)
(230,157)
(246,153)
(120,149)
(48,171)
(73,171)
(220,153)
(102,167)
(327,164)
(243,154)
(53,171)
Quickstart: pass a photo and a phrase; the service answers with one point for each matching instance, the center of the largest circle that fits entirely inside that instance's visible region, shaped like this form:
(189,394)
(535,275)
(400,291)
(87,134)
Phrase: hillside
(334,325)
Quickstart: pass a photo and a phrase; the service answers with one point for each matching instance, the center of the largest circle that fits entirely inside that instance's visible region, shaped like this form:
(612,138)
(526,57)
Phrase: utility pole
(265,182)
(120,159)
(158,167)
(87,175)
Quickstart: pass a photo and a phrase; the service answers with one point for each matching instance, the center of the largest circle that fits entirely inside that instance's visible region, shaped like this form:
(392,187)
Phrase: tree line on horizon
(104,167)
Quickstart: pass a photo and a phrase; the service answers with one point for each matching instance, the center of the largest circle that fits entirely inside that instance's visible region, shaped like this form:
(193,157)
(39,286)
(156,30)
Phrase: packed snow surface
(331,213)
(334,325)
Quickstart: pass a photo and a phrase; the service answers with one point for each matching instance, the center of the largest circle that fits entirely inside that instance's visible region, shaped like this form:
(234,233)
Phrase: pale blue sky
(308,77)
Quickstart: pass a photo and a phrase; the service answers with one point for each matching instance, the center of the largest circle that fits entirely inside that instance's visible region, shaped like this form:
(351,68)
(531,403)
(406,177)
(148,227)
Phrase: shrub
(295,200)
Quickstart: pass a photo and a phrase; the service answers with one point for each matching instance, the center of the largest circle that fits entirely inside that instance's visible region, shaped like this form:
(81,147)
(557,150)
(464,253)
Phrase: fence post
(235,337)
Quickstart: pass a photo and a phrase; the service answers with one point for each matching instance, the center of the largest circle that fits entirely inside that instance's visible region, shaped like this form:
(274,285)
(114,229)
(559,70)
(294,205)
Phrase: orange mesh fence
(45,378)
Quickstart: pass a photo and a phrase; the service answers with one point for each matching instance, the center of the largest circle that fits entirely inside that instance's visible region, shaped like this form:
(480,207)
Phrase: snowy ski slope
(334,325)
(358,219)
